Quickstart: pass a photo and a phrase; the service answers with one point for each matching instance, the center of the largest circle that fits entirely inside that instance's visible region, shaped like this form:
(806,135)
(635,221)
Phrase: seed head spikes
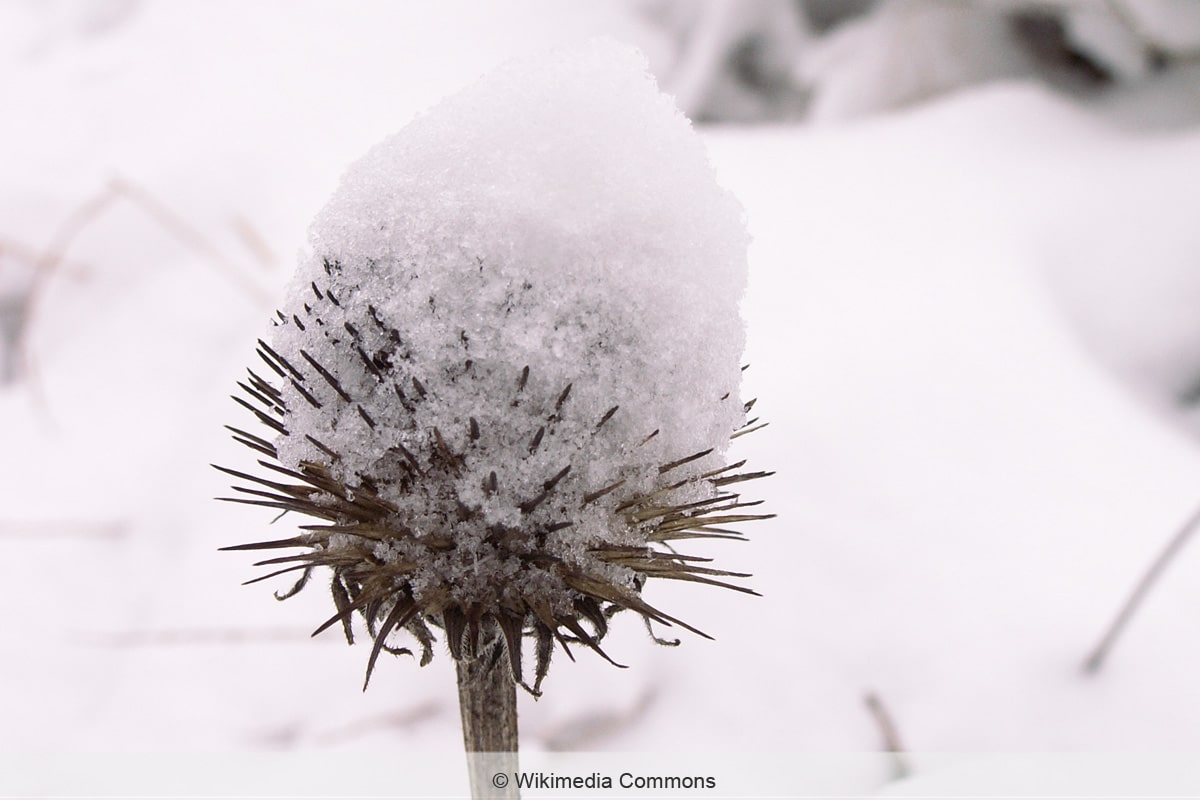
(397,573)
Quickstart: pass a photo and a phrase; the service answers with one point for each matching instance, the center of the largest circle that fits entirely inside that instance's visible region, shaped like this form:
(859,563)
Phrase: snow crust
(546,246)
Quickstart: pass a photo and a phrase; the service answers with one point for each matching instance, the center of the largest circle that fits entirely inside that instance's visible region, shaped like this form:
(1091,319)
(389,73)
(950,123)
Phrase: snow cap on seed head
(559,214)
(516,339)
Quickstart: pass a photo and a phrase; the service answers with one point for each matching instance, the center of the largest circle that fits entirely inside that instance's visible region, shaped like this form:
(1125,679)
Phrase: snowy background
(972,323)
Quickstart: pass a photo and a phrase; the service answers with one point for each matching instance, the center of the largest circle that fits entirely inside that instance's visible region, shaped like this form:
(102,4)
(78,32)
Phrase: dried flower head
(505,379)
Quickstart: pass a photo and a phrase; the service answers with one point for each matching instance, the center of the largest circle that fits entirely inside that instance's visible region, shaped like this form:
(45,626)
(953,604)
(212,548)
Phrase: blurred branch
(189,237)
(891,738)
(585,730)
(407,718)
(254,241)
(185,637)
(1100,653)
(51,260)
(296,734)
(63,529)
(1130,22)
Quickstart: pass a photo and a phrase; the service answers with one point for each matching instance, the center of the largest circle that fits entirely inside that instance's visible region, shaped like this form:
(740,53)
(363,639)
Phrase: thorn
(575,628)
(279,314)
(250,436)
(668,467)
(343,614)
(263,386)
(334,456)
(444,450)
(276,544)
(726,468)
(350,329)
(474,429)
(312,401)
(270,504)
(374,370)
(362,412)
(409,457)
(562,398)
(282,361)
(596,495)
(332,381)
(648,438)
(550,484)
(607,416)
(267,451)
(749,405)
(491,483)
(296,320)
(403,398)
(738,478)
(371,485)
(274,367)
(375,318)
(537,439)
(263,418)
(419,387)
(401,614)
(523,379)
(744,431)
(317,291)
(271,404)
(332,299)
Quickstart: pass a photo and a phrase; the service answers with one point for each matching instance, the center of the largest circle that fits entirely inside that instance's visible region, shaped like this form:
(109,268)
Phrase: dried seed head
(506,379)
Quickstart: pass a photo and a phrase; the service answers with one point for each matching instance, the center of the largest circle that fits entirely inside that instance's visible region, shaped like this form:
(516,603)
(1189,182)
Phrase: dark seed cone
(407,566)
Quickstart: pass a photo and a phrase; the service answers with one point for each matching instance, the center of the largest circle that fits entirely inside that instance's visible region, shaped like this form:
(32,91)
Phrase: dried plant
(504,379)
(393,575)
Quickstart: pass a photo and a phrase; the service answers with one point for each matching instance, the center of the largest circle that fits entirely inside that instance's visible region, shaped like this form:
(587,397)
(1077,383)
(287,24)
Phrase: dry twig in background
(1100,652)
(891,738)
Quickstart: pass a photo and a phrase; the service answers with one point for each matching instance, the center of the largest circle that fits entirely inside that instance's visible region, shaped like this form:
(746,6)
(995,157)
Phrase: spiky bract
(447,529)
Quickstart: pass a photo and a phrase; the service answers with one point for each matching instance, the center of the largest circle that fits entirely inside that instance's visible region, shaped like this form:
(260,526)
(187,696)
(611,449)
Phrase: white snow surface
(966,323)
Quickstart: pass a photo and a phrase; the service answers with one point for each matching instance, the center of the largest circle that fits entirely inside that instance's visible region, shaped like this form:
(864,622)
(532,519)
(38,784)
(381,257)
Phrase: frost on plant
(505,378)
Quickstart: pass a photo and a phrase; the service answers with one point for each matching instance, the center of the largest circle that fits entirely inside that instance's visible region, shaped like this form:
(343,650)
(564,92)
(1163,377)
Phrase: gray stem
(487,699)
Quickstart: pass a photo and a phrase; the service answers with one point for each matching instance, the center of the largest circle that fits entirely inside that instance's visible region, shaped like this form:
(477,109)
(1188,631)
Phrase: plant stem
(1096,660)
(891,739)
(487,700)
